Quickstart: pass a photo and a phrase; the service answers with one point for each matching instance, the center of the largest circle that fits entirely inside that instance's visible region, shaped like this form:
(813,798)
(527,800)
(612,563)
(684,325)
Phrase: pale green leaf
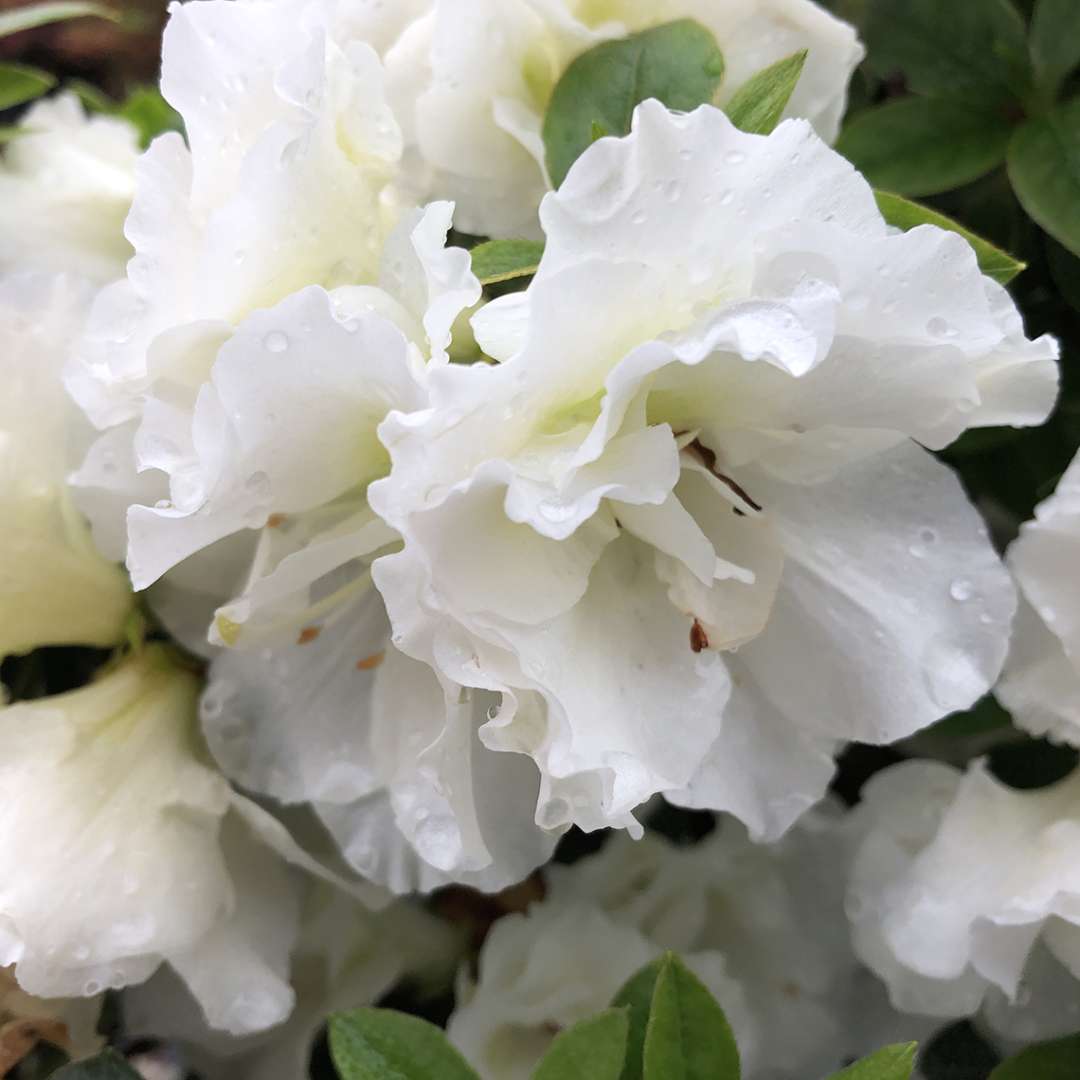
(687,1037)
(1054,41)
(15,20)
(678,63)
(1044,167)
(974,50)
(380,1044)
(635,998)
(93,99)
(593,1049)
(107,1065)
(920,146)
(19,84)
(905,214)
(894,1062)
(759,103)
(501,260)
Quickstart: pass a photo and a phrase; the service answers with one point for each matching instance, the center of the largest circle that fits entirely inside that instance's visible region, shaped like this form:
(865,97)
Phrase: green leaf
(501,260)
(19,83)
(905,214)
(678,63)
(593,1049)
(687,1037)
(920,146)
(1065,270)
(93,99)
(1056,1060)
(1044,167)
(889,1063)
(972,50)
(27,18)
(635,998)
(150,114)
(1054,42)
(759,103)
(108,1065)
(380,1044)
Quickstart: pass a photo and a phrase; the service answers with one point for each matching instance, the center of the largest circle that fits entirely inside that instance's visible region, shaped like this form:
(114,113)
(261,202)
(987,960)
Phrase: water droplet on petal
(275,342)
(962,589)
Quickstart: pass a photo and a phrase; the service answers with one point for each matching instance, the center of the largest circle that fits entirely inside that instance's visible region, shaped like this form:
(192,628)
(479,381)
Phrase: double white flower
(688,508)
(700,437)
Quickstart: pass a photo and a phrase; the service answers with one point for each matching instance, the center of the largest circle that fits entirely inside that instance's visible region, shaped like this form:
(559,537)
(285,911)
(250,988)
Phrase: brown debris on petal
(698,638)
(275,521)
(308,634)
(370,662)
(708,458)
(19,1037)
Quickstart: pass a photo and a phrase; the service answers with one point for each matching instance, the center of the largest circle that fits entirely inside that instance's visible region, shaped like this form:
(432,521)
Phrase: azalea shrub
(540,539)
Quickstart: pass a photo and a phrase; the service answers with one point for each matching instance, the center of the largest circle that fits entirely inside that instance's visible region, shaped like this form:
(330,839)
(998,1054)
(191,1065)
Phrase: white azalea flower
(965,893)
(121,848)
(281,303)
(66,185)
(701,439)
(1041,684)
(345,956)
(55,588)
(763,925)
(476,118)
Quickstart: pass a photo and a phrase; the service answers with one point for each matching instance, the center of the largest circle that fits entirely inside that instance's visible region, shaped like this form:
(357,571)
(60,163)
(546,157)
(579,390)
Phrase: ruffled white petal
(1041,685)
(55,588)
(66,185)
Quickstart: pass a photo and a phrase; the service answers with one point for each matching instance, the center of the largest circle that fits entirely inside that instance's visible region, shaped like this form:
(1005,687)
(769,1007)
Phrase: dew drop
(928,535)
(638,217)
(673,190)
(727,198)
(961,589)
(938,327)
(734,157)
(275,342)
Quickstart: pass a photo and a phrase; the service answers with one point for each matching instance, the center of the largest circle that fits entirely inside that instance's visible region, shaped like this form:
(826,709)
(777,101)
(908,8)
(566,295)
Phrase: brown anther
(275,521)
(371,662)
(698,638)
(708,458)
(308,634)
(790,990)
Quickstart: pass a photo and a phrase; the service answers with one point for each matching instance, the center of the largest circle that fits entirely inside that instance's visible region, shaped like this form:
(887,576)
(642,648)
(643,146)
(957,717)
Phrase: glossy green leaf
(905,214)
(150,114)
(502,260)
(19,84)
(1056,1060)
(107,1065)
(1044,167)
(678,63)
(635,998)
(920,146)
(593,1049)
(687,1037)
(973,50)
(380,1044)
(895,1062)
(759,103)
(15,20)
(1054,41)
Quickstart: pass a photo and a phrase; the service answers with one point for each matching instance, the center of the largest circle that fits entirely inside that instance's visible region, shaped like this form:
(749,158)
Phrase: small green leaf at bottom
(635,998)
(108,1065)
(381,1044)
(593,1049)
(894,1062)
(1055,1060)
(687,1037)
(759,103)
(905,214)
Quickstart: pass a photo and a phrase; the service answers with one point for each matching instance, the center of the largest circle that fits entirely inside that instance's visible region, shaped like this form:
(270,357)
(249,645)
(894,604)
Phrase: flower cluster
(439,567)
